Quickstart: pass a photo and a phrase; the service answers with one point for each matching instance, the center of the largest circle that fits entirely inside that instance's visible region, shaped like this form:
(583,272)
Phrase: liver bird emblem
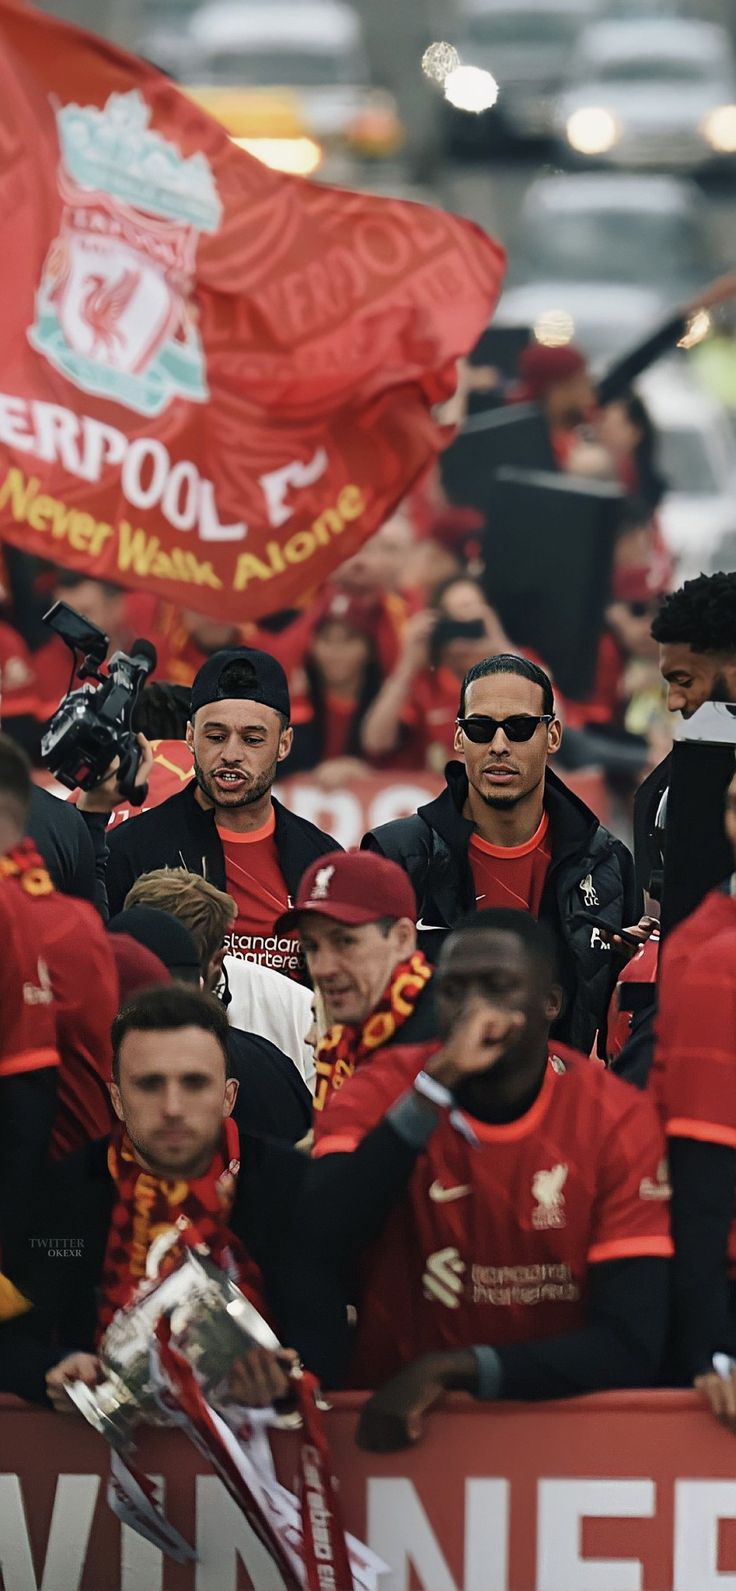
(547,1189)
(321,886)
(102,306)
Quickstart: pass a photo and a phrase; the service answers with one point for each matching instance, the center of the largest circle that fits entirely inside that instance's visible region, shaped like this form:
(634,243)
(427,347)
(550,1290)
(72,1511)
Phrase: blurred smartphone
(607,932)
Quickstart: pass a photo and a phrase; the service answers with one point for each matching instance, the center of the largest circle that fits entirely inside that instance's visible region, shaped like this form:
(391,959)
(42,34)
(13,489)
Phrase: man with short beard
(696,631)
(225,824)
(507,833)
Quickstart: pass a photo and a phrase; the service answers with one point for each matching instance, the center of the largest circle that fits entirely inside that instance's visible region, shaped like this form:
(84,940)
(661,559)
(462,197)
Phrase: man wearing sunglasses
(507,832)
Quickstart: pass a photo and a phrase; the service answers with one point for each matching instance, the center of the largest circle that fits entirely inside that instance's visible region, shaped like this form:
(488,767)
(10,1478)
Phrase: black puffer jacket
(591,876)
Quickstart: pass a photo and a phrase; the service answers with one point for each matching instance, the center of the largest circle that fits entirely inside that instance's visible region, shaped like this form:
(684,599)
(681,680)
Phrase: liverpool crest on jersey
(114,310)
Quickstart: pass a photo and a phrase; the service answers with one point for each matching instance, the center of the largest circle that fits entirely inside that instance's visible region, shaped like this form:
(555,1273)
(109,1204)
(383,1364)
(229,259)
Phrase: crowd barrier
(621,1492)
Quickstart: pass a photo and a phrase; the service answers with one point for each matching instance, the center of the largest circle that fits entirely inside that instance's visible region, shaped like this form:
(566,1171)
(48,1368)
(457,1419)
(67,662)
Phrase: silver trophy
(212,1323)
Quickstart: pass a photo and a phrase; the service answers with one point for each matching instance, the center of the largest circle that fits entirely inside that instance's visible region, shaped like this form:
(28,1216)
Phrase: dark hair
(633,513)
(309,738)
(15,772)
(237,679)
(162,711)
(650,483)
(166,1008)
(701,615)
(509,663)
(537,939)
(69,579)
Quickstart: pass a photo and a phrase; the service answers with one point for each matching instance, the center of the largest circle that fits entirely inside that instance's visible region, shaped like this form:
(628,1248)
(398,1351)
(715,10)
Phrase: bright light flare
(719,127)
(299,157)
(554,329)
(592,130)
(439,60)
(472,89)
(698,328)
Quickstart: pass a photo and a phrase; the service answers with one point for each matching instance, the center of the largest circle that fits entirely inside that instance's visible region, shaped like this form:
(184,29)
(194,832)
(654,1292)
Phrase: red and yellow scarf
(343,1049)
(147,1205)
(24,864)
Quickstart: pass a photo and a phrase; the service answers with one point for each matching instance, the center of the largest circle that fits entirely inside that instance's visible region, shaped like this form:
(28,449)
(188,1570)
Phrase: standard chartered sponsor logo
(269,950)
(443,1277)
(506,1285)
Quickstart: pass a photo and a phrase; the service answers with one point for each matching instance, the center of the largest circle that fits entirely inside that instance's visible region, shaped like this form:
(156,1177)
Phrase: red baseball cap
(352,887)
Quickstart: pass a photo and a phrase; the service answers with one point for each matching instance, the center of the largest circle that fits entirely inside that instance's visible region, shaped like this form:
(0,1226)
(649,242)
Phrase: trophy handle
(86,1402)
(158,1250)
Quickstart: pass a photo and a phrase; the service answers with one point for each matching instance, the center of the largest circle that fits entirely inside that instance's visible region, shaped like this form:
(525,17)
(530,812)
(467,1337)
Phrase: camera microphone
(147,650)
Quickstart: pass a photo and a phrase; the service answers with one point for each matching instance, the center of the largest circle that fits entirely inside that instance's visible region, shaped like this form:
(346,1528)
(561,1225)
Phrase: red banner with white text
(216,380)
(621,1492)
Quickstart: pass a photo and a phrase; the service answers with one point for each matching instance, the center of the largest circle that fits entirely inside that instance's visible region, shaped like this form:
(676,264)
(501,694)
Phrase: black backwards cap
(263,680)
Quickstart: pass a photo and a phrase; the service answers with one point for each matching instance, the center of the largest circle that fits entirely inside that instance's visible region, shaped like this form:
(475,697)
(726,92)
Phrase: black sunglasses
(520,726)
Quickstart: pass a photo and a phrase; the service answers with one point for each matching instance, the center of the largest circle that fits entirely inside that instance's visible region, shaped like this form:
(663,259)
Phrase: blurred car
(650,92)
(650,231)
(163,33)
(602,319)
(526,46)
(697,456)
(647,8)
(289,82)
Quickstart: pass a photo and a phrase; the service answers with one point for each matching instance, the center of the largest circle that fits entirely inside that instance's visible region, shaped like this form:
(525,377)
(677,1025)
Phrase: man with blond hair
(258,1000)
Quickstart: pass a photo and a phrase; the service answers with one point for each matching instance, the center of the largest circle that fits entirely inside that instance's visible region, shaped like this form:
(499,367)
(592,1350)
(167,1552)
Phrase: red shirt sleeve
(358,1106)
(697,1027)
(632,1213)
(83,1108)
(27,1015)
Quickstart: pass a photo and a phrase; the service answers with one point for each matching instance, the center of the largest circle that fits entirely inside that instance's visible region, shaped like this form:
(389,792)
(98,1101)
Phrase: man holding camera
(225,824)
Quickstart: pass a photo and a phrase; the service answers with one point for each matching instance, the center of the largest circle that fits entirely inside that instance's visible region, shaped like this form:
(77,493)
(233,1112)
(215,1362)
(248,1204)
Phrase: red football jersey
(493,1244)
(511,875)
(693,1075)
(256,884)
(27,1014)
(84,980)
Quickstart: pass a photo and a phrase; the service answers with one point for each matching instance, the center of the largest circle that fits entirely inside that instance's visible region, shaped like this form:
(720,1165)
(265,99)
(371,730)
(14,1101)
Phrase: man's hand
(477,1042)
(339,772)
(415,642)
(261,1377)
(720,1395)
(76,1367)
(106,795)
(394,1416)
(641,932)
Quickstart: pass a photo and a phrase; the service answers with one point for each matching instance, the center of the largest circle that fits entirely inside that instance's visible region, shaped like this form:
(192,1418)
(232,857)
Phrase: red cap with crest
(351,887)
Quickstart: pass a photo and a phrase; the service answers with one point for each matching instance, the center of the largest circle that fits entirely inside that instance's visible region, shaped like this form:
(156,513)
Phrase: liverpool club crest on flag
(114,311)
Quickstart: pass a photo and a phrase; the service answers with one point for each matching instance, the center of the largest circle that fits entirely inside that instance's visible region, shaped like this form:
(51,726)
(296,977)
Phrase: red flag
(216,380)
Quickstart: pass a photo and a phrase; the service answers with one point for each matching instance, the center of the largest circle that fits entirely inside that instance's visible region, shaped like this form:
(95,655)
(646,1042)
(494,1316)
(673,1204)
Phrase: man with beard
(695,628)
(225,824)
(507,832)
(528,1257)
(696,631)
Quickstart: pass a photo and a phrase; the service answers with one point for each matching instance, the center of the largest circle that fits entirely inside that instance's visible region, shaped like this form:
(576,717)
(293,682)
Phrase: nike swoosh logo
(442,1195)
(432,928)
